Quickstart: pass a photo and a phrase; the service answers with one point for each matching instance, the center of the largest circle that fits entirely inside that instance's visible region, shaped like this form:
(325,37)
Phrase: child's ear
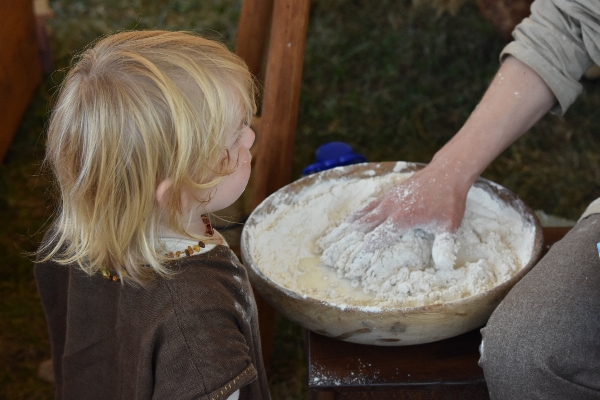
(161,192)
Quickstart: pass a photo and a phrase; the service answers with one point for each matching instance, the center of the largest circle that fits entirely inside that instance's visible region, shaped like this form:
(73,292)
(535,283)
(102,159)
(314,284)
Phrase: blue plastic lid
(331,155)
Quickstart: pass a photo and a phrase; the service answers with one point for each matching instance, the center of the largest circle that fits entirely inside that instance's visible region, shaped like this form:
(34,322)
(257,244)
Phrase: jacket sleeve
(205,352)
(560,40)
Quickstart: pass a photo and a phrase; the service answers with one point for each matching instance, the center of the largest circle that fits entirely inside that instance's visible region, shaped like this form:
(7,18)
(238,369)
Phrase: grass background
(394,78)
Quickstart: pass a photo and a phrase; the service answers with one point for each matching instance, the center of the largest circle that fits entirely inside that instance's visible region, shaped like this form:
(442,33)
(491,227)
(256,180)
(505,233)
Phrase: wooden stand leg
(322,396)
(288,20)
(279,116)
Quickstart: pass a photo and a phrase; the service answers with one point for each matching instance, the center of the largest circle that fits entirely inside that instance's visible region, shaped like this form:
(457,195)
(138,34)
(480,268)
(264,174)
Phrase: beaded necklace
(111,276)
(195,248)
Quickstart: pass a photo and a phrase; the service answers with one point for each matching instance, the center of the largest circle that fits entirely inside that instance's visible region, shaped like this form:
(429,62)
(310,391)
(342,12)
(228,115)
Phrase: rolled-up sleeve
(560,40)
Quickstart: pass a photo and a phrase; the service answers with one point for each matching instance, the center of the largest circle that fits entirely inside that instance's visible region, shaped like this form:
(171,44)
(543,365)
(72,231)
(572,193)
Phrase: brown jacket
(194,336)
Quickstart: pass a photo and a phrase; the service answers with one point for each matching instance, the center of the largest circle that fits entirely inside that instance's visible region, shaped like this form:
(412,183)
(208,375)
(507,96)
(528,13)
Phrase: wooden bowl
(387,326)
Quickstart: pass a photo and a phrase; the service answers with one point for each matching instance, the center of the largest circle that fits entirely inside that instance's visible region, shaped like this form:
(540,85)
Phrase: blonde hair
(137,108)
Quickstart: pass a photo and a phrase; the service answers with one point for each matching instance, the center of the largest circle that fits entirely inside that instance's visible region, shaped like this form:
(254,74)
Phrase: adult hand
(433,199)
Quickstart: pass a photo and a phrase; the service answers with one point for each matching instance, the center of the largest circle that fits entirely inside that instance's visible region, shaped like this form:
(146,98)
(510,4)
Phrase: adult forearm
(433,199)
(516,99)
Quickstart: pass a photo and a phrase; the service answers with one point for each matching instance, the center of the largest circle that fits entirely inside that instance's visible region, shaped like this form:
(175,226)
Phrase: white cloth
(168,244)
(593,208)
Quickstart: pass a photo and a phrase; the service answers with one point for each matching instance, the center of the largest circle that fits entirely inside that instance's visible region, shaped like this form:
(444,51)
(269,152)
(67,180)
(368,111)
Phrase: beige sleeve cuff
(593,208)
(559,41)
(565,90)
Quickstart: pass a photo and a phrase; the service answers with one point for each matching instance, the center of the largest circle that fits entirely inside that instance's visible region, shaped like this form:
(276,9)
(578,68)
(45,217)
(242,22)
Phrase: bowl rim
(496,189)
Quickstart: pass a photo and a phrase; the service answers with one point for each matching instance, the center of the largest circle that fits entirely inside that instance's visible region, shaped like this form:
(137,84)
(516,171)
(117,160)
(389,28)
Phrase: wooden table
(445,369)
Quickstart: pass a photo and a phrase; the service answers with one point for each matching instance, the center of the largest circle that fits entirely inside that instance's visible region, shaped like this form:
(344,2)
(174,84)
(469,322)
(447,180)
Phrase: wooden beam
(281,97)
(20,70)
(253,33)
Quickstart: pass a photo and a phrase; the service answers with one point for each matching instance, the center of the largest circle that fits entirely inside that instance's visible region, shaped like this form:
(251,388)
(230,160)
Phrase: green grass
(392,78)
(23,210)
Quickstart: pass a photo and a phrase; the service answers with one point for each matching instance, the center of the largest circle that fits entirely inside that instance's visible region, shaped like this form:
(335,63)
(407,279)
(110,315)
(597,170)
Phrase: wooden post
(276,127)
(279,116)
(281,97)
(253,33)
(20,70)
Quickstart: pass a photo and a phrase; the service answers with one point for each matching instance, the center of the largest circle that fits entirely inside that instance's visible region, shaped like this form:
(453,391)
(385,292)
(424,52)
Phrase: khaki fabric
(542,342)
(560,41)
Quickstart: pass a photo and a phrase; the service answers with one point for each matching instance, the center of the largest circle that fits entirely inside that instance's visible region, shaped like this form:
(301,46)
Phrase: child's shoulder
(219,260)
(215,273)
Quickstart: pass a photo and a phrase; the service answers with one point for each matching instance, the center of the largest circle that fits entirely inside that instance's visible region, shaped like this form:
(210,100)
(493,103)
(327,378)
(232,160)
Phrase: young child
(142,296)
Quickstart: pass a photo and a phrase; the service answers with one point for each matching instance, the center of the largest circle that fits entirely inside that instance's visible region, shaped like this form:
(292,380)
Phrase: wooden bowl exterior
(384,326)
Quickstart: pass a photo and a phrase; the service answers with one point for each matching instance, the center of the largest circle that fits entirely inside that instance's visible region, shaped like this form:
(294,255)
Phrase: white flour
(302,246)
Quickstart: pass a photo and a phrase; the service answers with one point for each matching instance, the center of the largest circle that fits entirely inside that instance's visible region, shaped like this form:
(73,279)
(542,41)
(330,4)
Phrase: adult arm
(542,68)
(434,198)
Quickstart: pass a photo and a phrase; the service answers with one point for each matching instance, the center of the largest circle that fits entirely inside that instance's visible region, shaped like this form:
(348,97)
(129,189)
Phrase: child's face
(226,192)
(232,186)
